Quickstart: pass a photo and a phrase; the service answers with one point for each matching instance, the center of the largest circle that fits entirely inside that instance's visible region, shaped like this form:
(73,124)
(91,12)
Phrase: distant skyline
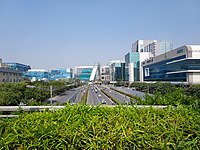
(51,34)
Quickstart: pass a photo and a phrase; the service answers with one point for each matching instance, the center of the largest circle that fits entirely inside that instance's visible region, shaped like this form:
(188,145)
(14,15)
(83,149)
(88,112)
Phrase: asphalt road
(142,95)
(78,96)
(96,97)
(118,96)
(67,96)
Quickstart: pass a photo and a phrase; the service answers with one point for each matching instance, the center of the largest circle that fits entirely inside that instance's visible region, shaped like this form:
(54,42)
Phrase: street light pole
(51,93)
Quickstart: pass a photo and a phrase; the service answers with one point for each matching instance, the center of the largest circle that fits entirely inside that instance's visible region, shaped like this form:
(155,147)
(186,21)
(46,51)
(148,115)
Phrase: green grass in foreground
(84,127)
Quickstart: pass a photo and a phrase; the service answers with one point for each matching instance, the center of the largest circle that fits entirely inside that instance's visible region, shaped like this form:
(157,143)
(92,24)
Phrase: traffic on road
(97,95)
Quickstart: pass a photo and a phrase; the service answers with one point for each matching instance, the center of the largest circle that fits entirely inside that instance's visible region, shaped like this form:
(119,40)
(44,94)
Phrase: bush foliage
(14,93)
(169,94)
(84,127)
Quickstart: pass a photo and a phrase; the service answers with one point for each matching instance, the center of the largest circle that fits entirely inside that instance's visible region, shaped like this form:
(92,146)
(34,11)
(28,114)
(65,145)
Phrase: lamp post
(51,93)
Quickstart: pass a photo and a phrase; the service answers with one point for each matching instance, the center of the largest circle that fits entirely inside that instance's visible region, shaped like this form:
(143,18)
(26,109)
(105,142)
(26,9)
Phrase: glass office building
(83,72)
(18,66)
(61,73)
(117,70)
(146,50)
(37,75)
(88,73)
(179,65)
(132,66)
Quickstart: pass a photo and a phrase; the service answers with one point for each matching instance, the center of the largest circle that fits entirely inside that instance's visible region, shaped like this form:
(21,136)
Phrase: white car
(99,95)
(103,101)
(133,88)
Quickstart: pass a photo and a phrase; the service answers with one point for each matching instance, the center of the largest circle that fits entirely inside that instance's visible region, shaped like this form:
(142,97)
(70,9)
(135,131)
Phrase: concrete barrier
(29,108)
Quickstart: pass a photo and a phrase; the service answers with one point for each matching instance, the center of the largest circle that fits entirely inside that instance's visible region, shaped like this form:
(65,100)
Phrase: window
(179,51)
(146,73)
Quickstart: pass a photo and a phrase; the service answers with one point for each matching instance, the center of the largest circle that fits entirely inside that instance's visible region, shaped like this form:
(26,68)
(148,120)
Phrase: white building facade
(105,73)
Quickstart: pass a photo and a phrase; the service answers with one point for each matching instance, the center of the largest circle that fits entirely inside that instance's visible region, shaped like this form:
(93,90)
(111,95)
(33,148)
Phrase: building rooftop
(37,70)
(9,70)
(16,63)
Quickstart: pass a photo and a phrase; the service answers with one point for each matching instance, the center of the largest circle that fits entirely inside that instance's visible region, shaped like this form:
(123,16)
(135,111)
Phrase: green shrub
(193,90)
(14,93)
(177,97)
(154,87)
(84,127)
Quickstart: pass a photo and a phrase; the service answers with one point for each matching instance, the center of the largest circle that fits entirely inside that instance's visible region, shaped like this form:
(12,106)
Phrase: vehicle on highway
(103,101)
(133,88)
(99,95)
(72,104)
(96,90)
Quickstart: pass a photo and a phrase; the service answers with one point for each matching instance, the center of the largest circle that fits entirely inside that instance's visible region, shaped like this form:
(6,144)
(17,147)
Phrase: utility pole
(51,94)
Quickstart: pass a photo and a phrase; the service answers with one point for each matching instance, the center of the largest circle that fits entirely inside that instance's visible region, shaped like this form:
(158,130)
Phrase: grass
(88,127)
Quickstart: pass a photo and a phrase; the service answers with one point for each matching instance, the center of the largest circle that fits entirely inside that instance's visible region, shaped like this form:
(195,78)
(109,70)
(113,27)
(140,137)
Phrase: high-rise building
(145,49)
(132,66)
(179,65)
(155,47)
(159,47)
(105,73)
(139,45)
(117,70)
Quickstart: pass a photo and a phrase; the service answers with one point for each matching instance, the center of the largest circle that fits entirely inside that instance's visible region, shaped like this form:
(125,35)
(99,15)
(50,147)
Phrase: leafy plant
(87,127)
(14,93)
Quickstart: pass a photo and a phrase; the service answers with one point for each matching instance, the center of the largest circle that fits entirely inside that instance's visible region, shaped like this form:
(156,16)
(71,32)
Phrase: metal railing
(25,108)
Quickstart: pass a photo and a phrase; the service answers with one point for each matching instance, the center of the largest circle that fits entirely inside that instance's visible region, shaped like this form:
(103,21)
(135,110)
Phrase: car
(133,88)
(96,91)
(99,95)
(103,101)
(72,104)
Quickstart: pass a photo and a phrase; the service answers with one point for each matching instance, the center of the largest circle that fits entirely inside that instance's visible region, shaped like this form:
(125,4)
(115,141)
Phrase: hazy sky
(51,34)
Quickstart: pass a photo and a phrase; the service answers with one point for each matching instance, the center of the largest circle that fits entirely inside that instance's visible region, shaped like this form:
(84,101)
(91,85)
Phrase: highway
(78,96)
(142,95)
(118,96)
(72,96)
(96,97)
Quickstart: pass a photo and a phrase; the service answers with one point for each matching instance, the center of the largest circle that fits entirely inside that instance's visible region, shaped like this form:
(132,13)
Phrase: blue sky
(67,33)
